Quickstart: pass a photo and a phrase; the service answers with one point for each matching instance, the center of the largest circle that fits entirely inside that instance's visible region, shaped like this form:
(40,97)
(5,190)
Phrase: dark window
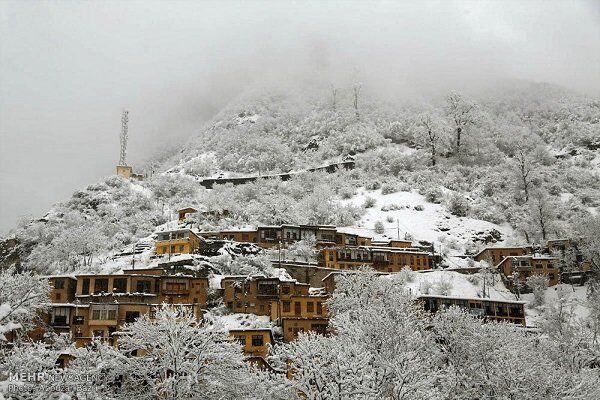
(257,340)
(297,308)
(286,306)
(241,340)
(230,304)
(131,316)
(319,307)
(85,287)
(310,307)
(319,328)
(119,285)
(262,307)
(143,286)
(59,284)
(157,286)
(101,285)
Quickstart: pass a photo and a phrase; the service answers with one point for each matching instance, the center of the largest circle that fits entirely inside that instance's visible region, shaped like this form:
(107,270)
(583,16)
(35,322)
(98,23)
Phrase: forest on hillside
(526,155)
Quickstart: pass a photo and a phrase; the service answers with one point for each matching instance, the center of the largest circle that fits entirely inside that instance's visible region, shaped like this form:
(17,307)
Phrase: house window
(262,307)
(143,286)
(104,312)
(286,306)
(131,316)
(241,339)
(58,296)
(85,286)
(297,308)
(101,285)
(319,307)
(257,340)
(175,285)
(310,307)
(59,284)
(181,248)
(119,285)
(230,304)
(60,316)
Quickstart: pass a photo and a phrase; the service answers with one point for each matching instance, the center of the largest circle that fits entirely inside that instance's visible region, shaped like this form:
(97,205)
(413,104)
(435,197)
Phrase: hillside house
(382,259)
(255,344)
(495,255)
(181,241)
(292,326)
(184,212)
(530,265)
(488,309)
(89,306)
(255,294)
(63,288)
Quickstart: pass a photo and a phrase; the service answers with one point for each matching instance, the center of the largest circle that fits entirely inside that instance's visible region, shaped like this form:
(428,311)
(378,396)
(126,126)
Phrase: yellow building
(382,259)
(181,241)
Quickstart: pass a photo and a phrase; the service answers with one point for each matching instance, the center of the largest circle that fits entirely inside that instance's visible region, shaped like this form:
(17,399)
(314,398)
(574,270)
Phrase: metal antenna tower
(124,131)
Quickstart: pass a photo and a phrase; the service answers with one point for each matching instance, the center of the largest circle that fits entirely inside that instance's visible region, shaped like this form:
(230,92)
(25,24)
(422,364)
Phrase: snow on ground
(450,283)
(413,215)
(237,321)
(576,298)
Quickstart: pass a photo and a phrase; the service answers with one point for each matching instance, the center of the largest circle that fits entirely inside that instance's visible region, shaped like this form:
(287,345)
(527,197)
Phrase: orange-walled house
(255,294)
(530,265)
(300,313)
(181,241)
(496,254)
(184,212)
(255,341)
(101,304)
(382,259)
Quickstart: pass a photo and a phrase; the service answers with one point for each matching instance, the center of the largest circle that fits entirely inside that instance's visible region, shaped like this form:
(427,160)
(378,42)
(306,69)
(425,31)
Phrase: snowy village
(316,201)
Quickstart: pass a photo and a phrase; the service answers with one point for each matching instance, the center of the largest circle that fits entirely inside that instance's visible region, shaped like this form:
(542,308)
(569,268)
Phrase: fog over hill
(66,70)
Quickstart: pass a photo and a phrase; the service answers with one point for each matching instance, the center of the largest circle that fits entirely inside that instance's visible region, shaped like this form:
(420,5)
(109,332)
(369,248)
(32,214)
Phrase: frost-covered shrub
(379,228)
(433,194)
(369,202)
(457,205)
(419,207)
(389,188)
(487,212)
(443,287)
(389,219)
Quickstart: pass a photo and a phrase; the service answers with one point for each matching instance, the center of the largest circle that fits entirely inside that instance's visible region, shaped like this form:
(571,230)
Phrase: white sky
(68,68)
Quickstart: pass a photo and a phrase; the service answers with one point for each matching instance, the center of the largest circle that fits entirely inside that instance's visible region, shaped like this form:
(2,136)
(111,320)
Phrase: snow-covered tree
(22,296)
(538,283)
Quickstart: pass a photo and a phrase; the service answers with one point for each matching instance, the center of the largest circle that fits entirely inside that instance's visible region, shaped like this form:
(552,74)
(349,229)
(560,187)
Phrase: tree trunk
(458,133)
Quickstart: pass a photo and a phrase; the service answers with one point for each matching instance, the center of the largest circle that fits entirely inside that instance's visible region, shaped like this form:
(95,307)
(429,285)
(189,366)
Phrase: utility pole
(279,248)
(124,135)
(170,241)
(398,227)
(133,257)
